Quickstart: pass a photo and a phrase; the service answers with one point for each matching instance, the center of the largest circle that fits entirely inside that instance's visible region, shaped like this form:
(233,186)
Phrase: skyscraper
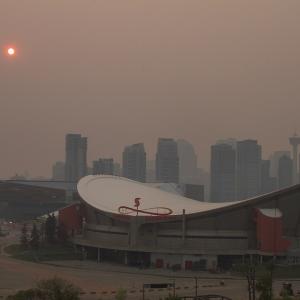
(134,162)
(58,171)
(274,158)
(167,161)
(187,162)
(248,169)
(150,171)
(268,183)
(222,169)
(103,166)
(76,157)
(285,172)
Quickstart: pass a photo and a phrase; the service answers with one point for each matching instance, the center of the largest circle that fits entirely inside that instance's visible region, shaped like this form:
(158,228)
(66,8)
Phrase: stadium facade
(128,222)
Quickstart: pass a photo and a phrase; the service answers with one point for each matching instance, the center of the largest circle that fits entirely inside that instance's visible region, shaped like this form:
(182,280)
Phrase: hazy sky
(129,71)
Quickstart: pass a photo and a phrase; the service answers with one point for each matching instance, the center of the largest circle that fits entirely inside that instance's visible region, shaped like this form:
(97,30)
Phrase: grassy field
(44,253)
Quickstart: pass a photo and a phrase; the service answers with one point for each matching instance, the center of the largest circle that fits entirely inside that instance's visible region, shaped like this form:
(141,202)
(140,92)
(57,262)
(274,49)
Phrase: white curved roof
(108,193)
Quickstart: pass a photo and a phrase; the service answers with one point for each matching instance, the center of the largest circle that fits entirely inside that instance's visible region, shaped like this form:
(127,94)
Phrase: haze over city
(123,72)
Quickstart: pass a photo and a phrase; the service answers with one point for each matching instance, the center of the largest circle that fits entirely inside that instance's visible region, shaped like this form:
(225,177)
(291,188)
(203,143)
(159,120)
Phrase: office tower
(268,183)
(76,157)
(187,162)
(274,158)
(230,141)
(194,191)
(134,162)
(167,161)
(103,166)
(285,172)
(248,169)
(295,142)
(222,171)
(58,171)
(203,178)
(150,170)
(117,169)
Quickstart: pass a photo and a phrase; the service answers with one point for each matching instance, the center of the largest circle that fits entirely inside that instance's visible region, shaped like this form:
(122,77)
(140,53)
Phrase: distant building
(248,169)
(134,162)
(167,161)
(203,178)
(285,172)
(187,162)
(76,157)
(268,183)
(150,171)
(58,171)
(194,191)
(222,171)
(103,166)
(274,158)
(230,141)
(117,169)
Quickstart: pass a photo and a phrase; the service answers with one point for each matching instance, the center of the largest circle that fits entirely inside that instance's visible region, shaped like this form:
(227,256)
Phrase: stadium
(147,226)
(119,220)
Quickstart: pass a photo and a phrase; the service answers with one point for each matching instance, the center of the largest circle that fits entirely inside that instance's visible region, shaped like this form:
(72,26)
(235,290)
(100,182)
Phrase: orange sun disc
(11,51)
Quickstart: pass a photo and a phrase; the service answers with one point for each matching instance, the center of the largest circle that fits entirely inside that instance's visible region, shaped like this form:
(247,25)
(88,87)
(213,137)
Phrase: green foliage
(45,253)
(264,283)
(50,229)
(51,289)
(34,238)
(121,294)
(249,270)
(24,295)
(24,237)
(62,233)
(264,287)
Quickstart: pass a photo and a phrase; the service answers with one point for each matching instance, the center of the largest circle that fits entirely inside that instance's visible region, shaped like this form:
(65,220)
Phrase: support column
(183,225)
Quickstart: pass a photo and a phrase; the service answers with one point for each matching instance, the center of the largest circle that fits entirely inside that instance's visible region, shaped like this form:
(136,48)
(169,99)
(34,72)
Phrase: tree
(249,271)
(265,283)
(51,289)
(50,228)
(121,294)
(24,237)
(62,233)
(34,238)
(58,289)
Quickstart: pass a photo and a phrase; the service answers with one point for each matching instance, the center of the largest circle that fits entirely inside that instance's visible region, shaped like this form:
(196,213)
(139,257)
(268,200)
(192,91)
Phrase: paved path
(101,280)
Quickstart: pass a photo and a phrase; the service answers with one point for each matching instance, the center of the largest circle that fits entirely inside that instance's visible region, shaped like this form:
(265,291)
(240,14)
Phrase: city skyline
(151,156)
(139,70)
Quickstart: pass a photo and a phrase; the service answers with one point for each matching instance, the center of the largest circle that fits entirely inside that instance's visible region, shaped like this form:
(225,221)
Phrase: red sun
(11,51)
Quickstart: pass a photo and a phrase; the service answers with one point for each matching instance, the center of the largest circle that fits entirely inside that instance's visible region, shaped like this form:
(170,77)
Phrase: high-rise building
(103,166)
(167,161)
(150,171)
(203,178)
(268,183)
(76,157)
(58,171)
(222,170)
(274,159)
(117,169)
(295,142)
(194,191)
(230,141)
(285,172)
(134,162)
(248,169)
(187,162)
